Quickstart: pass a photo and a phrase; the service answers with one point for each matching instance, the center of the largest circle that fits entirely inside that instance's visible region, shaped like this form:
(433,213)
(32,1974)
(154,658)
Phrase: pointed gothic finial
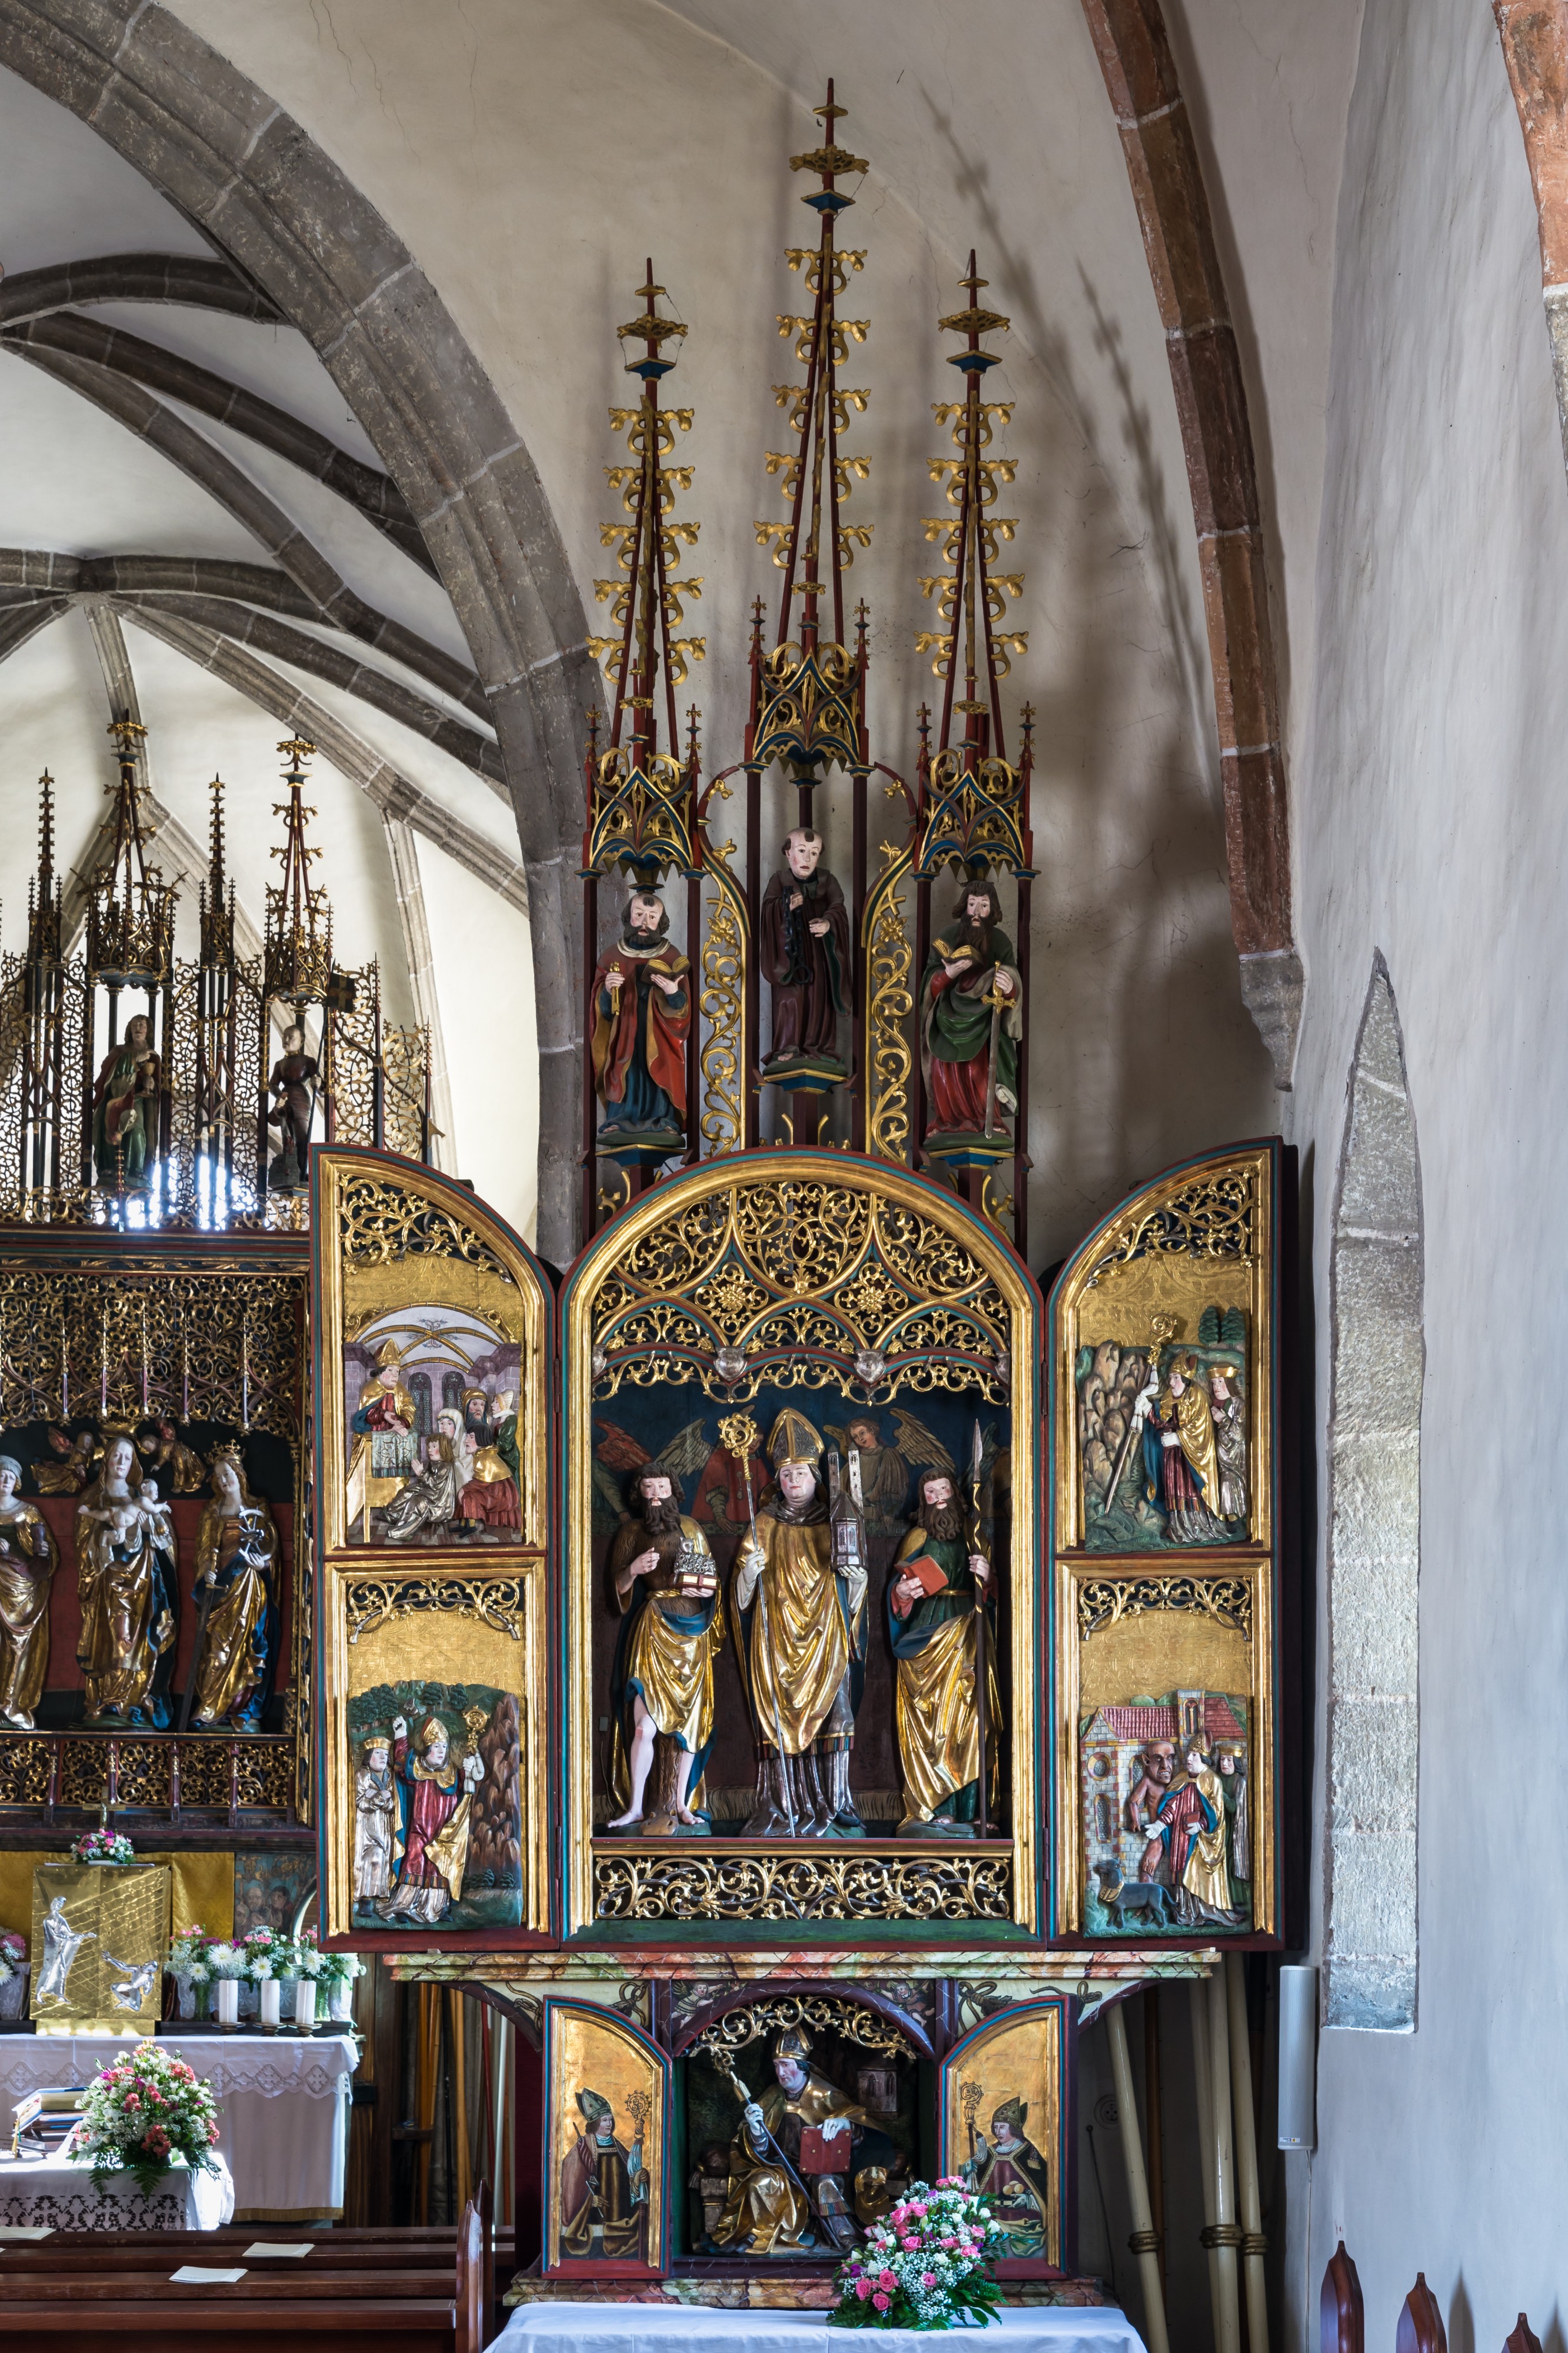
(797,716)
(217,891)
(646,598)
(296,947)
(44,890)
(131,908)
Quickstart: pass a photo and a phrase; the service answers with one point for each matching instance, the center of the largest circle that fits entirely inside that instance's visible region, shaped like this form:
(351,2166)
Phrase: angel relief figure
(886,1466)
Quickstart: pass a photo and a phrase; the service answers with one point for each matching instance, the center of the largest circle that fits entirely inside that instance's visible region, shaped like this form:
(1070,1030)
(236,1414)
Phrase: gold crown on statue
(794,1440)
(794,2042)
(375,1738)
(230,1451)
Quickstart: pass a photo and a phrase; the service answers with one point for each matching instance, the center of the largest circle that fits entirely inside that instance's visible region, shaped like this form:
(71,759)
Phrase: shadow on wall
(1142,1048)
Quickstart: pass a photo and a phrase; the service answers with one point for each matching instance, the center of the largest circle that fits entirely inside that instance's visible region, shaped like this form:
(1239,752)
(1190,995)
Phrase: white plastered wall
(1431,825)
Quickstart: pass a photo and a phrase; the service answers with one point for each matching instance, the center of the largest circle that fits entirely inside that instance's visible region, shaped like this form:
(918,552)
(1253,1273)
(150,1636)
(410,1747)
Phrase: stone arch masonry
(1375,1288)
(216,146)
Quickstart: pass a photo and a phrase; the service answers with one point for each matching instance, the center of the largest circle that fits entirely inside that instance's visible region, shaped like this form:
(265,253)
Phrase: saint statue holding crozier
(801,1638)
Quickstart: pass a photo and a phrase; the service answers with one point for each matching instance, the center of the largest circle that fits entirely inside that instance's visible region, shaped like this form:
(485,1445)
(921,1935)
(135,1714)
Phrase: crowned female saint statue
(27,1562)
(801,1641)
(126,1555)
(237,1582)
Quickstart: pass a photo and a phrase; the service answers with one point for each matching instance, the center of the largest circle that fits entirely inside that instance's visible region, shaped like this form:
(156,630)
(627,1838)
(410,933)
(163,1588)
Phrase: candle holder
(228,2005)
(270,2006)
(305,2005)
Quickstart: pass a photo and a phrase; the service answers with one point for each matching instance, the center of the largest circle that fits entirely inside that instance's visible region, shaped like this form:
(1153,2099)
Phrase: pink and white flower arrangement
(925,2266)
(327,1969)
(103,1846)
(143,2114)
(13,1953)
(267,1955)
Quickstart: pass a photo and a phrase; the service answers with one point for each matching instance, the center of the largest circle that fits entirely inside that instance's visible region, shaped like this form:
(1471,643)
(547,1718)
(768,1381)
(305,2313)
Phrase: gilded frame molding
(595,1267)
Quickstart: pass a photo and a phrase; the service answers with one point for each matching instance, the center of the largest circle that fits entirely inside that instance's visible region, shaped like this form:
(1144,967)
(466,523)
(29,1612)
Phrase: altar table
(51,2193)
(282,2108)
(562,2327)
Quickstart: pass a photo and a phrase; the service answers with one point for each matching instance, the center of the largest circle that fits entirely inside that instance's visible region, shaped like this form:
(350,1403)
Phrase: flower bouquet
(143,2114)
(268,1959)
(103,1846)
(225,1961)
(338,1972)
(925,2266)
(190,1966)
(13,1974)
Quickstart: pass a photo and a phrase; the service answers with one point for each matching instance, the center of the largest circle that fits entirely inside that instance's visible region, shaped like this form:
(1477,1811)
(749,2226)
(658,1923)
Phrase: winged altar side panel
(1168,1529)
(431,1330)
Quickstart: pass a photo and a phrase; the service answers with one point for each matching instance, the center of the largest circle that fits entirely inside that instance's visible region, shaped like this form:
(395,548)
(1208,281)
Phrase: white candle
(271,2004)
(229,2001)
(304,2003)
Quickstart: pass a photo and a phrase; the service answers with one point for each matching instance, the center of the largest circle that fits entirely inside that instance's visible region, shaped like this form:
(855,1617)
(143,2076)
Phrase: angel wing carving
(684,1453)
(918,1445)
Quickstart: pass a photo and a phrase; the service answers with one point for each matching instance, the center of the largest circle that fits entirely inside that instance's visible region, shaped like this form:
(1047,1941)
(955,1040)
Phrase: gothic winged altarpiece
(798,1662)
(798,1668)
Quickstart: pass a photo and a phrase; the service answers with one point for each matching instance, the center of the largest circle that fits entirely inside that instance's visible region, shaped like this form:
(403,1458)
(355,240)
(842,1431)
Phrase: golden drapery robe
(127,1619)
(763,2203)
(233,1658)
(936,1688)
(668,1653)
(797,1652)
(26,1573)
(1205,1875)
(1195,1428)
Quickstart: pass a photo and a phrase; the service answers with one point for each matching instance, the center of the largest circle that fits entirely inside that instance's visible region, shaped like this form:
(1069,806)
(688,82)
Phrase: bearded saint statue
(972,996)
(935,1594)
(801,1638)
(665,1586)
(641,1014)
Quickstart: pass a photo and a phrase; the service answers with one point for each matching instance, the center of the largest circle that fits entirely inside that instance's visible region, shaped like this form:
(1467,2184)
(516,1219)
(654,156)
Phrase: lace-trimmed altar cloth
(283,2103)
(51,2193)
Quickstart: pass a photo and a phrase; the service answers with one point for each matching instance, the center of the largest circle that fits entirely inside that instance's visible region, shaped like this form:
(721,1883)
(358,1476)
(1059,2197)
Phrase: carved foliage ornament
(1213,1217)
(498,1602)
(802,1887)
(1101,1602)
(380,1223)
(828,2013)
(800,1283)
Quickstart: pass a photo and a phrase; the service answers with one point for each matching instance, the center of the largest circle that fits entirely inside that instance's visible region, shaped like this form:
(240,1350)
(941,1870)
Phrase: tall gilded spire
(298,949)
(807,698)
(639,798)
(645,599)
(974,806)
(131,908)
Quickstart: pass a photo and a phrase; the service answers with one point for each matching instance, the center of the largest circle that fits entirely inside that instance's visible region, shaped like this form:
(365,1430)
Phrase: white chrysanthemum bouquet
(926,2266)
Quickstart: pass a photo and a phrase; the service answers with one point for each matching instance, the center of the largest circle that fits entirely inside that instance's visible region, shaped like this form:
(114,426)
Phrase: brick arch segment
(1173,214)
(235,162)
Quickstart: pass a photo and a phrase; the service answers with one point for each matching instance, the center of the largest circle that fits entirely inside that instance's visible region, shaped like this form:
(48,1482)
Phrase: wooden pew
(1341,2323)
(93,2298)
(1421,2326)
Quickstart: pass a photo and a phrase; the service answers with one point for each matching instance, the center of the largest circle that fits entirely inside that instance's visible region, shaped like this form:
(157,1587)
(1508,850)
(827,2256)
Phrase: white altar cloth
(549,2326)
(282,2107)
(51,2193)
